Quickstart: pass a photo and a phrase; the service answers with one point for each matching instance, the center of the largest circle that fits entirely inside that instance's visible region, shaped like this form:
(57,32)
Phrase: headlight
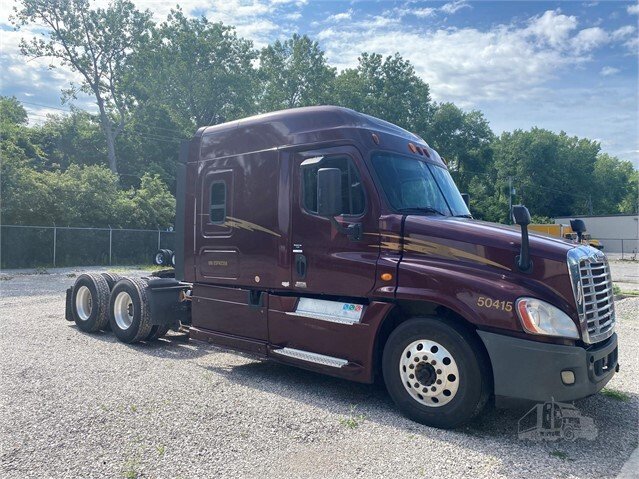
(539,317)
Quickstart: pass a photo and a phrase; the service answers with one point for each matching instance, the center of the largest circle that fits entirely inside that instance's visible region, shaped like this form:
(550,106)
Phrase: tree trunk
(109,136)
(110,139)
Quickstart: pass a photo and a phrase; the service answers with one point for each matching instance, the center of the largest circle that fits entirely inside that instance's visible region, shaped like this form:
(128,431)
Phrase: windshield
(414,186)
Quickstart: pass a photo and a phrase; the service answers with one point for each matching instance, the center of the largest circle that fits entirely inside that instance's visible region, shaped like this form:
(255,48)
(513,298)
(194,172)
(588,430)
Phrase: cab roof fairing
(299,121)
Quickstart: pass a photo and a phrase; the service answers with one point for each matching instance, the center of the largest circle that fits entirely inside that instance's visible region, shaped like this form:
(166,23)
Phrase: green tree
(630,204)
(613,185)
(200,73)
(551,172)
(294,73)
(387,88)
(12,112)
(464,139)
(94,42)
(73,139)
(151,205)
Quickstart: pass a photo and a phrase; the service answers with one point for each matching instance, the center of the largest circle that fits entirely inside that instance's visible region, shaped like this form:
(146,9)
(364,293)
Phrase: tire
(452,381)
(157,332)
(129,310)
(569,434)
(158,258)
(111,279)
(167,257)
(90,302)
(173,259)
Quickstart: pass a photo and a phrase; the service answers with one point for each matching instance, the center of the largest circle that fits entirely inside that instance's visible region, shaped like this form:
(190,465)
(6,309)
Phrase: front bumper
(529,370)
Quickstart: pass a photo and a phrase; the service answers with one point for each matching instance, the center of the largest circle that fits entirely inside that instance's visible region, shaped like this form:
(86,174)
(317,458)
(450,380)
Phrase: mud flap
(68,313)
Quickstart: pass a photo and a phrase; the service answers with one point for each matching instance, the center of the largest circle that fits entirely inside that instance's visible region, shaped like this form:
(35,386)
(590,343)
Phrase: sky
(570,65)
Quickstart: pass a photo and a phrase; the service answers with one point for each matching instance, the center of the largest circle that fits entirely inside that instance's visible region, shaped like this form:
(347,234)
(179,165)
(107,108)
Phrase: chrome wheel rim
(123,310)
(429,373)
(159,258)
(84,303)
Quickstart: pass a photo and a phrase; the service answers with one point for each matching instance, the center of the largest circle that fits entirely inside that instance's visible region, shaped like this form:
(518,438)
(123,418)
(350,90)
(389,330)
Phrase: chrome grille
(592,286)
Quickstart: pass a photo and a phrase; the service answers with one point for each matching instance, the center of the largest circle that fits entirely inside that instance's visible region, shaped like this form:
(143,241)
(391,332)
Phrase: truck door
(325,261)
(324,321)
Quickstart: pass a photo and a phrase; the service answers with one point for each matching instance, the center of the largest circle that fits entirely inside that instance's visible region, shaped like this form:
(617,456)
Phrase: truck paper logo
(431,248)
(352,307)
(325,308)
(552,421)
(236,223)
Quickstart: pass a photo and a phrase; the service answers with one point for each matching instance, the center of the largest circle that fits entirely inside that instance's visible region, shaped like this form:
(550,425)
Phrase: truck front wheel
(435,373)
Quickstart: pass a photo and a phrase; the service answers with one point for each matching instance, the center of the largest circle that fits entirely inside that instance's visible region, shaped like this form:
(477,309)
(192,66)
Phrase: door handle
(300,265)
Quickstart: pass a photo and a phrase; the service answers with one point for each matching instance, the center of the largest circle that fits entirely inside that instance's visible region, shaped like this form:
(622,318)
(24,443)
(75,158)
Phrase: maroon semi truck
(330,240)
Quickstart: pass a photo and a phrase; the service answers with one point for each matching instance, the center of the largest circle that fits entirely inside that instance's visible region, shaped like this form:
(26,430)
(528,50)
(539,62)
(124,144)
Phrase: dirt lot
(78,405)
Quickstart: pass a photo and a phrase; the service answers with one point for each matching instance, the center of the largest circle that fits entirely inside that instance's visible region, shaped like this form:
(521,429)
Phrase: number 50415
(490,303)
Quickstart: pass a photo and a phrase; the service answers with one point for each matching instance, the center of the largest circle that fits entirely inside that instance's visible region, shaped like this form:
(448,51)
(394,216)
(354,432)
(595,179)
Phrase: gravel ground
(79,405)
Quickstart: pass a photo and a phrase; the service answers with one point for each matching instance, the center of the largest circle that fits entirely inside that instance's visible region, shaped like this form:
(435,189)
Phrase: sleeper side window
(353,198)
(217,212)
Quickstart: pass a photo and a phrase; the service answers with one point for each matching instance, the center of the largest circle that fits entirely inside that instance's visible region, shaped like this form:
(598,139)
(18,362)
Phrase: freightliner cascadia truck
(327,239)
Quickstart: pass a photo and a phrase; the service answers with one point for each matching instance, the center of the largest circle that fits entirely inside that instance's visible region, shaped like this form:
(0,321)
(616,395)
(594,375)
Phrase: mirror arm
(353,230)
(523,260)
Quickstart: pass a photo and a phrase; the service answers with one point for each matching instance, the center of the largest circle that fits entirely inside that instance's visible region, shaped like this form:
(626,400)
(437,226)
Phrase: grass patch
(560,455)
(617,291)
(5,277)
(616,395)
(71,275)
(353,420)
(161,449)
(41,270)
(131,469)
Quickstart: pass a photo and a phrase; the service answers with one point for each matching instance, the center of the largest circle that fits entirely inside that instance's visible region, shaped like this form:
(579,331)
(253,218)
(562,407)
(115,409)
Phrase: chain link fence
(54,246)
(621,248)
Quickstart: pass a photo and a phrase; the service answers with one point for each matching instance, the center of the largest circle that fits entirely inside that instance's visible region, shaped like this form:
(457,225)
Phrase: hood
(480,242)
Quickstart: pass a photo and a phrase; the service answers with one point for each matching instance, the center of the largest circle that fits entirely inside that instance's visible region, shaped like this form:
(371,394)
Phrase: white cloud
(632,45)
(293,16)
(423,12)
(454,7)
(327,34)
(633,9)
(623,32)
(469,65)
(607,71)
(338,17)
(552,27)
(297,3)
(589,39)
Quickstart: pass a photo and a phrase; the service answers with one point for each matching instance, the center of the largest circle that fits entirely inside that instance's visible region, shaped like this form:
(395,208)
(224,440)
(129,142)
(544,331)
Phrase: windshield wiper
(421,209)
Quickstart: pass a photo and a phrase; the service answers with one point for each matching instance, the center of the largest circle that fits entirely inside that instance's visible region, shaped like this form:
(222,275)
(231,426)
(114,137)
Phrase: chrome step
(311,357)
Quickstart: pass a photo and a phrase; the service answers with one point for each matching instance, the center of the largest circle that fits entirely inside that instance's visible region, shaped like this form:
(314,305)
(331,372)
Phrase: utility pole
(510,199)
(590,204)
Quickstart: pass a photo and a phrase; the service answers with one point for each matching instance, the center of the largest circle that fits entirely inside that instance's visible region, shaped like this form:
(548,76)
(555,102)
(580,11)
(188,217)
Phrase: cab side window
(217,212)
(353,199)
